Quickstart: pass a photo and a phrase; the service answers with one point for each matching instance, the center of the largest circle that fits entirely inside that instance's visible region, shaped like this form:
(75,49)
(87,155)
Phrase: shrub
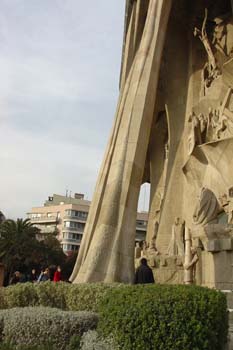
(37,326)
(75,297)
(52,294)
(165,318)
(20,295)
(87,296)
(7,346)
(91,340)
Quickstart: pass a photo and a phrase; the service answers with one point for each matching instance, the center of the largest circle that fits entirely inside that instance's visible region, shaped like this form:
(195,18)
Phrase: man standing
(144,273)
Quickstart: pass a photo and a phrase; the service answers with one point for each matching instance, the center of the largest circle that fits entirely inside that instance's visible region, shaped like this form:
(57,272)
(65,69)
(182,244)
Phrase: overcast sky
(59,78)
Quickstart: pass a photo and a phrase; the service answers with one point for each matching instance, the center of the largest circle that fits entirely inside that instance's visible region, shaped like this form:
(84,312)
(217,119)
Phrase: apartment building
(67,216)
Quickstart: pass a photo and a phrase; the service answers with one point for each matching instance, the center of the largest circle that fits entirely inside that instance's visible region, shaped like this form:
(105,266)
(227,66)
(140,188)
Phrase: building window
(74,225)
(79,214)
(141,223)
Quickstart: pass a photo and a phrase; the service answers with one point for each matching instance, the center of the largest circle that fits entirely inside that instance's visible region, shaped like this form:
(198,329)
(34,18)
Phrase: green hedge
(165,318)
(7,346)
(139,317)
(37,326)
(61,295)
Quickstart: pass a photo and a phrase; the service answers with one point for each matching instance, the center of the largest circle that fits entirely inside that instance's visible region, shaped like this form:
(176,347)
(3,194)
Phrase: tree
(17,243)
(21,250)
(50,250)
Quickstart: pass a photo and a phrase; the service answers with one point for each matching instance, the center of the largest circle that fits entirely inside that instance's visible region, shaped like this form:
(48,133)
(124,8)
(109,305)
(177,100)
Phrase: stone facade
(174,129)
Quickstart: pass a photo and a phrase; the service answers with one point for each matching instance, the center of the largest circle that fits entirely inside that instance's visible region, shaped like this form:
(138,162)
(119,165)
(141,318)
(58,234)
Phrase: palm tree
(17,242)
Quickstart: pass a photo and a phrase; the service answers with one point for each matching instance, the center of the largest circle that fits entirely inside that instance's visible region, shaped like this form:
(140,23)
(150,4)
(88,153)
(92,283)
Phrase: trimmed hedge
(7,346)
(65,296)
(139,317)
(37,326)
(92,341)
(165,318)
(88,296)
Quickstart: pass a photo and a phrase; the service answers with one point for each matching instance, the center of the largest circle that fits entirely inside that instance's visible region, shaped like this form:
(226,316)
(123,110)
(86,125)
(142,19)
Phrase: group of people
(143,275)
(46,274)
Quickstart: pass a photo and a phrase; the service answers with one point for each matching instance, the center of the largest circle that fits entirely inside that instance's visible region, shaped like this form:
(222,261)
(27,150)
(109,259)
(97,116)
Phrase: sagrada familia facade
(173,128)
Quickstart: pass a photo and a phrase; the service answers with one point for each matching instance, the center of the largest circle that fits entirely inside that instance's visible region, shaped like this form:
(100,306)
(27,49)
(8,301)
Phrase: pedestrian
(144,274)
(44,276)
(16,278)
(57,275)
(33,276)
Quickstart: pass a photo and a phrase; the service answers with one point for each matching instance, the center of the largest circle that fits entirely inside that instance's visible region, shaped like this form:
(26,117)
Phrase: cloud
(59,68)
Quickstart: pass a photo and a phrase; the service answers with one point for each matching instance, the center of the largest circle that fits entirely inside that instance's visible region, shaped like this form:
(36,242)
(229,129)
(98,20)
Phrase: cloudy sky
(59,73)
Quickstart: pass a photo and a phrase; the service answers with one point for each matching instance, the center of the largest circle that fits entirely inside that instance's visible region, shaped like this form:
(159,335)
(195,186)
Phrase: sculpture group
(174,129)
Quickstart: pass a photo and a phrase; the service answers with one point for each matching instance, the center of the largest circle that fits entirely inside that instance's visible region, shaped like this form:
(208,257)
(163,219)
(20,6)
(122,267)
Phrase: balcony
(74,218)
(71,241)
(73,229)
(50,229)
(141,228)
(45,219)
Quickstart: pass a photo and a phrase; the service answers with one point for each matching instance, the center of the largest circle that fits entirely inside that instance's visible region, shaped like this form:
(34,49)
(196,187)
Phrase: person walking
(144,273)
(57,275)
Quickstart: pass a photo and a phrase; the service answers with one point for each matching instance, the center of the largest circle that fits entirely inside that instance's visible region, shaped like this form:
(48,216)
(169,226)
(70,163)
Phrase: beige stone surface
(174,129)
(107,254)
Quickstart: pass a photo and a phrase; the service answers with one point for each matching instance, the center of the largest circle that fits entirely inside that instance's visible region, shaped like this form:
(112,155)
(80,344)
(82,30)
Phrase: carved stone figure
(144,248)
(190,260)
(138,251)
(156,228)
(207,208)
(203,127)
(152,250)
(195,137)
(230,211)
(220,36)
(223,39)
(210,70)
(176,246)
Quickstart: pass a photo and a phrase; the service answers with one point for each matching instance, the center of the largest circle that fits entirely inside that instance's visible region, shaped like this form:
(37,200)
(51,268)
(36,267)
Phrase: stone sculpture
(190,260)
(173,129)
(207,208)
(210,70)
(176,246)
(138,251)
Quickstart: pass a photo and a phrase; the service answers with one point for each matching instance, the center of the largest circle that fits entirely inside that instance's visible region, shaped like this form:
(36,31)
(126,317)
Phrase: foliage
(138,317)
(75,297)
(165,318)
(17,239)
(50,251)
(91,340)
(36,326)
(52,294)
(38,294)
(21,250)
(20,295)
(74,343)
(7,346)
(87,296)
(68,265)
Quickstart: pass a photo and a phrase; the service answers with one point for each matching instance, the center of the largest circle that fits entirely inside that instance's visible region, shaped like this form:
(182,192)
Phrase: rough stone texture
(174,129)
